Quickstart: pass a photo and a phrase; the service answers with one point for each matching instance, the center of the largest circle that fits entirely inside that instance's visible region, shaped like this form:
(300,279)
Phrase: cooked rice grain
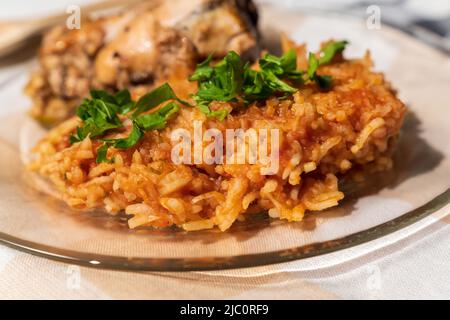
(323,135)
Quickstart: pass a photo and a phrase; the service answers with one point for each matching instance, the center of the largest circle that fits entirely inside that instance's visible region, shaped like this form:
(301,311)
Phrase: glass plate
(415,188)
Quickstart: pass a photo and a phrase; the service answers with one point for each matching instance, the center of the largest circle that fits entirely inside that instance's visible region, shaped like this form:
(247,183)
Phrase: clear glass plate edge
(240,261)
(235,262)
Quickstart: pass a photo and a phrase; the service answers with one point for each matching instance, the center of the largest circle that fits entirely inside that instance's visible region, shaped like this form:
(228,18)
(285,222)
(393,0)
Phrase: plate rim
(101,261)
(225,263)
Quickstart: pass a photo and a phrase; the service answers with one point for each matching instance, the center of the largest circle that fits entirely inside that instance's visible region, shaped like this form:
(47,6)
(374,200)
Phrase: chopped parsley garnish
(101,114)
(155,98)
(326,55)
(223,82)
(231,80)
(330,50)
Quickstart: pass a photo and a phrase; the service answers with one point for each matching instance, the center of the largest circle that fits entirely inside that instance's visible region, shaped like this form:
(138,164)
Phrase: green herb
(223,82)
(100,114)
(155,98)
(313,64)
(98,117)
(131,140)
(122,99)
(324,82)
(158,119)
(232,81)
(284,67)
(326,55)
(330,50)
(141,124)
(101,154)
(124,143)
(203,71)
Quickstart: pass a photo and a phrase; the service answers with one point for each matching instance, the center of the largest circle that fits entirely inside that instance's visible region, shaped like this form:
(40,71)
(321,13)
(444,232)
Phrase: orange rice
(323,134)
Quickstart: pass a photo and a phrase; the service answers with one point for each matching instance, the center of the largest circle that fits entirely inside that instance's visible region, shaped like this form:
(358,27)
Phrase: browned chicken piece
(65,71)
(138,49)
(214,26)
(143,53)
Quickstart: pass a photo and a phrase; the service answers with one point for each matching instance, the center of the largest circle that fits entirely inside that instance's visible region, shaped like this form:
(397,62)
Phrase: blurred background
(427,20)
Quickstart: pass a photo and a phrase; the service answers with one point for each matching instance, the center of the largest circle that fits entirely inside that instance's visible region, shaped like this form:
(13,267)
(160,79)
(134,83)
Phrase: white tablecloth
(417,266)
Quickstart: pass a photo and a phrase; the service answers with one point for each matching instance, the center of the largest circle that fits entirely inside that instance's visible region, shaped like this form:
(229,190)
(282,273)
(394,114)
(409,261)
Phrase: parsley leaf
(325,56)
(283,67)
(255,87)
(203,71)
(102,154)
(123,99)
(324,82)
(134,137)
(231,80)
(158,119)
(103,96)
(331,50)
(219,114)
(313,64)
(153,121)
(101,114)
(98,117)
(154,99)
(223,82)
(124,143)
(276,84)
